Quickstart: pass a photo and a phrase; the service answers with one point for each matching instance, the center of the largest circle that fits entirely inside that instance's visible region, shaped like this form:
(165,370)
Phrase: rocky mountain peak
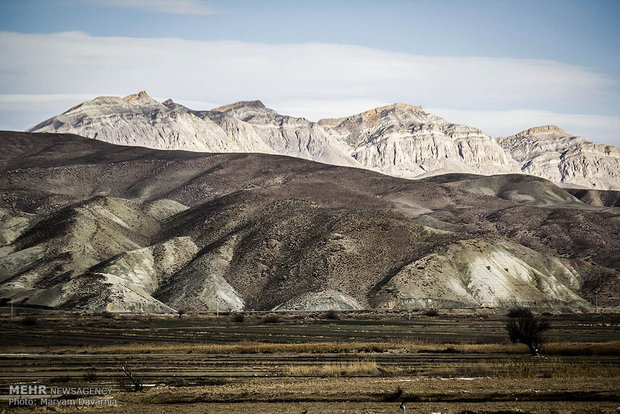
(241,104)
(390,110)
(404,107)
(552,153)
(375,114)
(545,129)
(136,96)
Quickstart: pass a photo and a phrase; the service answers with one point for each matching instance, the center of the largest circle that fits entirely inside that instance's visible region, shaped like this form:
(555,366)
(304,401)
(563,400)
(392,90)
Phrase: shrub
(30,321)
(332,314)
(431,312)
(239,317)
(91,375)
(528,329)
(393,396)
(181,312)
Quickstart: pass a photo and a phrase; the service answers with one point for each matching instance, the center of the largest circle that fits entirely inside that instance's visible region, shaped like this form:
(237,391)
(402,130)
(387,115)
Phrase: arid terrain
(92,226)
(318,207)
(316,362)
(194,282)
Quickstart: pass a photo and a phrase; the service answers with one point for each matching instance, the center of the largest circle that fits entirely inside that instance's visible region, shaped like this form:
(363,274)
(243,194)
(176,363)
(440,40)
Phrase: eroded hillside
(89,225)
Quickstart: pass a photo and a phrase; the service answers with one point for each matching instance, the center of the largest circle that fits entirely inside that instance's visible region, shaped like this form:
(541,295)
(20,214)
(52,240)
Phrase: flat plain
(312,362)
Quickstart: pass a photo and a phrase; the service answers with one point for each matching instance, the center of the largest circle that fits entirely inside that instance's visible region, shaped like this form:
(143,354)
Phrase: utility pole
(596,301)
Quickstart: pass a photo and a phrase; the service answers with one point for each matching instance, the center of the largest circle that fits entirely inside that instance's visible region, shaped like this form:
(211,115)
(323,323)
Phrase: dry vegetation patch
(554,348)
(346,369)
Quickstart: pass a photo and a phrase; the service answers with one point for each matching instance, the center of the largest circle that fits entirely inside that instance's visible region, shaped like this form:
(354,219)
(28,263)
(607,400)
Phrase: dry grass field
(307,362)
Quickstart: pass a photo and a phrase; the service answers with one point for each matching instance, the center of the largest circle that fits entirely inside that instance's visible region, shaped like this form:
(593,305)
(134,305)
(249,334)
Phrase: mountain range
(400,140)
(91,226)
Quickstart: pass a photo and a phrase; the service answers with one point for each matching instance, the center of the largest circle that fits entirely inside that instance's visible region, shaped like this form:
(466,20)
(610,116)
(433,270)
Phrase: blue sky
(499,65)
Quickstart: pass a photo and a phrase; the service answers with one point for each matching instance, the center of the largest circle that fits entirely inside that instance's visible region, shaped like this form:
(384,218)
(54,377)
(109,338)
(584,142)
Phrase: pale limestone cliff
(399,139)
(552,153)
(404,140)
(139,120)
(284,135)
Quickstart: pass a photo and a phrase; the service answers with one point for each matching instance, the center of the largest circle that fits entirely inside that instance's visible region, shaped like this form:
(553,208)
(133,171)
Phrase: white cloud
(164,6)
(311,80)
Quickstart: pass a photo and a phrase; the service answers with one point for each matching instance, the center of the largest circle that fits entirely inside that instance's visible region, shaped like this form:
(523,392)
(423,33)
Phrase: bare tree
(136,382)
(526,328)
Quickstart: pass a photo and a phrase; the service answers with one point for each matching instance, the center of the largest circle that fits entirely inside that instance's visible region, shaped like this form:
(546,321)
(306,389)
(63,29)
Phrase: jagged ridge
(399,139)
(551,153)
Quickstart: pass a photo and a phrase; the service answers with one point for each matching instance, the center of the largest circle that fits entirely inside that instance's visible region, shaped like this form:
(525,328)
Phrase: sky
(502,66)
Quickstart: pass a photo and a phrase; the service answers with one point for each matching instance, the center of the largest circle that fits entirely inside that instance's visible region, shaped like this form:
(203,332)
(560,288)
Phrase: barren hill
(94,226)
